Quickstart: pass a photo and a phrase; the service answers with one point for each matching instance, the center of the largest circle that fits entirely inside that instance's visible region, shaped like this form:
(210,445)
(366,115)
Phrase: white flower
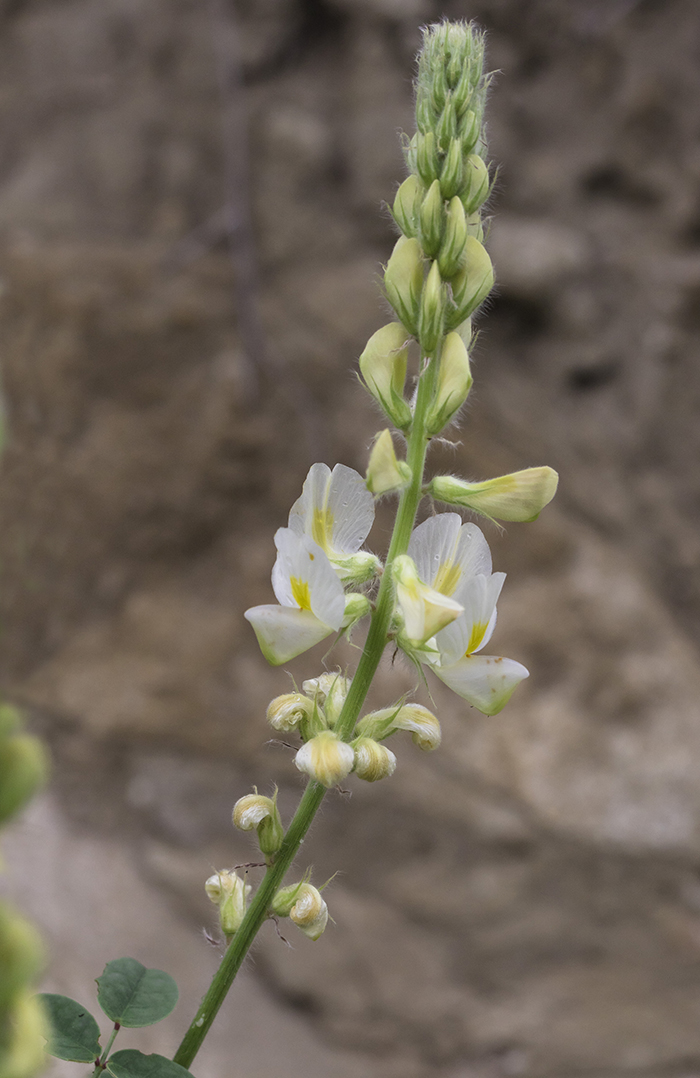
(336,511)
(312,601)
(454,559)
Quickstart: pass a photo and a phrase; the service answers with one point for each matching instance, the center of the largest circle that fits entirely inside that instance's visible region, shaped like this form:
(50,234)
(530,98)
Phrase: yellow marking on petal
(322,528)
(447,577)
(300,592)
(477,635)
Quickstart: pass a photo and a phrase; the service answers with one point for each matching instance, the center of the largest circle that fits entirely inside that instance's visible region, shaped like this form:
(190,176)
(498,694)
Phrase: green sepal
(134,996)
(130,1063)
(75,1035)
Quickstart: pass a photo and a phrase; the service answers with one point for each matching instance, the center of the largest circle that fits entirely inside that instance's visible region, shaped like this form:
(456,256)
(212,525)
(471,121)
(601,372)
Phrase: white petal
(300,561)
(473,630)
(432,543)
(313,497)
(284,632)
(486,681)
(335,509)
(449,553)
(352,508)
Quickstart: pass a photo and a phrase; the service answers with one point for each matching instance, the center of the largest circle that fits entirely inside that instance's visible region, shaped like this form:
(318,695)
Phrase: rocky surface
(527,900)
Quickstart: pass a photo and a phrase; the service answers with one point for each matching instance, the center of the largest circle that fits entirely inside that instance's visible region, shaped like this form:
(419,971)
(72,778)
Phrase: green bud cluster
(23,768)
(439,271)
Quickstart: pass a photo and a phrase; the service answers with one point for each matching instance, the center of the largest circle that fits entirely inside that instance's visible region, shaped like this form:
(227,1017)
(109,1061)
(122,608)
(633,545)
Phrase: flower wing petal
(302,569)
(314,496)
(284,632)
(486,681)
(448,553)
(351,508)
(432,543)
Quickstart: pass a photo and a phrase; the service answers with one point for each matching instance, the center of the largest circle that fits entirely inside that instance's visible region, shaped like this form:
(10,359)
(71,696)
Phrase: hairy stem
(313,795)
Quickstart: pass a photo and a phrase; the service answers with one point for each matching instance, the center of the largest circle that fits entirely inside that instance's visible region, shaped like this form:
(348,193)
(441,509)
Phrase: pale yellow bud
(309,912)
(425,611)
(372,760)
(472,284)
(257,813)
(454,382)
(520,496)
(286,712)
(383,367)
(230,893)
(326,758)
(403,280)
(330,691)
(421,723)
(385,472)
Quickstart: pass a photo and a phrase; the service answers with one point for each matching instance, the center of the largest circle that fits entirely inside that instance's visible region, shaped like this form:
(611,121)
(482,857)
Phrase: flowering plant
(435,595)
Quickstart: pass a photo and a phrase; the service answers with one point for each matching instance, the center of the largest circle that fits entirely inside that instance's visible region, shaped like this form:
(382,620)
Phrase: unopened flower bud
(302,902)
(421,723)
(384,472)
(432,311)
(476,183)
(357,568)
(406,205)
(285,898)
(469,128)
(427,160)
(286,712)
(452,173)
(425,116)
(330,691)
(446,127)
(310,912)
(326,758)
(432,220)
(372,760)
(452,251)
(257,813)
(383,367)
(403,280)
(453,384)
(230,893)
(472,284)
(357,606)
(520,496)
(462,92)
(425,611)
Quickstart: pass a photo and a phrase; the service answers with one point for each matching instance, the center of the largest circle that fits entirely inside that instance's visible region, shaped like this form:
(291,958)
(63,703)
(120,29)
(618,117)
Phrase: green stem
(102,1061)
(313,795)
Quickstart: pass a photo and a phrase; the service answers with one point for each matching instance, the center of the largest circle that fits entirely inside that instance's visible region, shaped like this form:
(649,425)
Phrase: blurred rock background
(191,234)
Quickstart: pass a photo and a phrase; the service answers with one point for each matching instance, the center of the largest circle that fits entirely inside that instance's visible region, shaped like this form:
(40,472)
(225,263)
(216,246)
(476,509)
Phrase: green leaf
(134,996)
(132,1064)
(75,1034)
